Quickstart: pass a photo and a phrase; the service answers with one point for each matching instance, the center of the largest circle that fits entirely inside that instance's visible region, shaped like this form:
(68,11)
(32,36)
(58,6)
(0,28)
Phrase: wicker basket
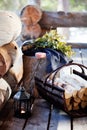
(56,94)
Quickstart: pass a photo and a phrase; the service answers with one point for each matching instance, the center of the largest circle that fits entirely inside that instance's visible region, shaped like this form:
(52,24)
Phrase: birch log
(5,61)
(5,92)
(15,73)
(8,54)
(10,27)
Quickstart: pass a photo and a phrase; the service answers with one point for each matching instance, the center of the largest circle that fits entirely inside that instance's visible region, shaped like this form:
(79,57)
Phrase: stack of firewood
(11,65)
(75,88)
(30,17)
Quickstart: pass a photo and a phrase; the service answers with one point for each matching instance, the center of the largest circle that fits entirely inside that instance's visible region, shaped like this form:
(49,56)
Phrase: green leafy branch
(55,41)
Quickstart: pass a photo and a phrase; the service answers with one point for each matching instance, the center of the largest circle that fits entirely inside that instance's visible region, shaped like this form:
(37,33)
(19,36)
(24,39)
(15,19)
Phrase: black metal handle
(80,74)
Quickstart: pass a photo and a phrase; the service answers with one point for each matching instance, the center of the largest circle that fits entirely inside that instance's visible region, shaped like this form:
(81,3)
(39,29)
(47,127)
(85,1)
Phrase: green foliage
(78,5)
(49,5)
(75,5)
(5,4)
(12,5)
(55,41)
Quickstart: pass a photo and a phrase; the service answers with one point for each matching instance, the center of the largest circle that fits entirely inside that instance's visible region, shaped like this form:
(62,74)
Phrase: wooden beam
(63,19)
(77,45)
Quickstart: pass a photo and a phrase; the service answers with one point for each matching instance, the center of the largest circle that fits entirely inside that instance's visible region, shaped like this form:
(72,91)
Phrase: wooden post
(63,5)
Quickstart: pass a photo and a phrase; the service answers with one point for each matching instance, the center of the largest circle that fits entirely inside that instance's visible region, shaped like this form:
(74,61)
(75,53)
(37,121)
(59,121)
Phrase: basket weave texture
(63,97)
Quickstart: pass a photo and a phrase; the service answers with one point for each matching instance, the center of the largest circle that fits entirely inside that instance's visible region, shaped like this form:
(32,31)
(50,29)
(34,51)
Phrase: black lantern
(22,103)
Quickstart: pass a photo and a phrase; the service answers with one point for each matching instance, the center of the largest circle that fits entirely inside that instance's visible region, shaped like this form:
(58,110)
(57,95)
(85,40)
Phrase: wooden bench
(44,115)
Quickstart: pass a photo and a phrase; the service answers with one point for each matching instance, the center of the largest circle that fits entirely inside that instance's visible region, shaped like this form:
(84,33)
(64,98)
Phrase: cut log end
(29,32)
(5,61)
(31,14)
(5,92)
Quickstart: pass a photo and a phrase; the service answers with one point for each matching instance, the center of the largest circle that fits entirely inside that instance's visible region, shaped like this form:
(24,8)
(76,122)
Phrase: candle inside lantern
(22,103)
(22,111)
(40,55)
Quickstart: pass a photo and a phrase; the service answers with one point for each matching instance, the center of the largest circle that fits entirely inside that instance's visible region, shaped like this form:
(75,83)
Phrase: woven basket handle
(81,74)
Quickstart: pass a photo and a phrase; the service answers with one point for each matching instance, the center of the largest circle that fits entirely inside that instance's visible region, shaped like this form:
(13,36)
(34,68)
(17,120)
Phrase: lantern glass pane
(23,106)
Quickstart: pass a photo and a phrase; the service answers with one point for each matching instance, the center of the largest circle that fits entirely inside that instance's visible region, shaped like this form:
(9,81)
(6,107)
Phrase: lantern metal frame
(23,103)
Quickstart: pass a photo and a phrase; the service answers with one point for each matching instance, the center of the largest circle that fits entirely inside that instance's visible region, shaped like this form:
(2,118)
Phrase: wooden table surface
(44,116)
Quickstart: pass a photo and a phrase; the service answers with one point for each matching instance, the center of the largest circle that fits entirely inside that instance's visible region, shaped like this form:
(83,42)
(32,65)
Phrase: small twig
(49,118)
(25,124)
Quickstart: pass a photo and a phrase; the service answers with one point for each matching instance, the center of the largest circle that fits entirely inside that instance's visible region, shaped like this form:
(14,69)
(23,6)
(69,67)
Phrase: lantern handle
(20,83)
